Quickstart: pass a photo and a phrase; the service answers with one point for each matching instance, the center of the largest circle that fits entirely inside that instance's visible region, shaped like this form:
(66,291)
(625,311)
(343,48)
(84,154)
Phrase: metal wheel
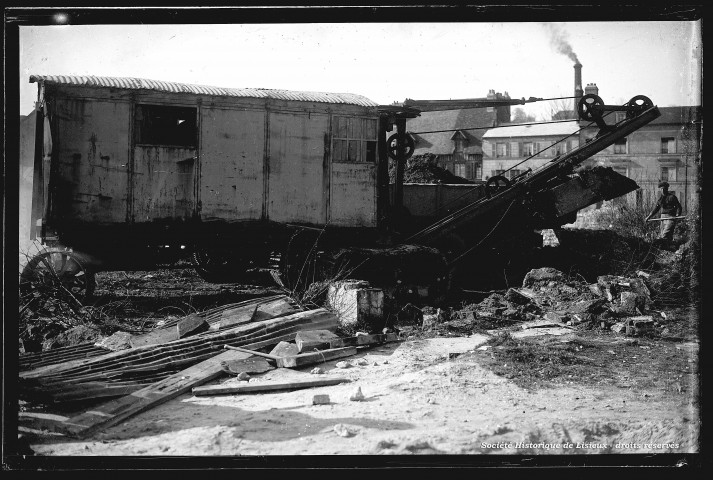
(587,107)
(393,145)
(496,184)
(57,271)
(637,105)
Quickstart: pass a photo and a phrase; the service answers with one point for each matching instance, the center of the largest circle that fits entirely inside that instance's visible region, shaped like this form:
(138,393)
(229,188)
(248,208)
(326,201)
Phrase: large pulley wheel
(212,264)
(393,145)
(496,184)
(589,107)
(637,105)
(57,272)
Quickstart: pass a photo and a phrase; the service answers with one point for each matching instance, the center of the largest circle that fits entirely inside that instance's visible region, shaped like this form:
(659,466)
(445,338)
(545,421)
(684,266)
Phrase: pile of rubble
(548,298)
(423,169)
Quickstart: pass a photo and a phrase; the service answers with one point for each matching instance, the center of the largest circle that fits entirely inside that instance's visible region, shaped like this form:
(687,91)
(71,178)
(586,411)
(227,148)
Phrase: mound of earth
(423,169)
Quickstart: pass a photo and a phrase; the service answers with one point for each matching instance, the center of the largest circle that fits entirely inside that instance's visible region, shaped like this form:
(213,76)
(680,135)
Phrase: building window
(573,144)
(619,116)
(514,173)
(527,149)
(460,170)
(668,145)
(354,139)
(501,149)
(559,148)
(620,146)
(166,125)
(668,174)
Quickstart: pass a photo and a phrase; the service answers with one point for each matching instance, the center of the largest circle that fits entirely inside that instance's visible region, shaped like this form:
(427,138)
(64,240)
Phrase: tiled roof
(545,129)
(441,143)
(173,87)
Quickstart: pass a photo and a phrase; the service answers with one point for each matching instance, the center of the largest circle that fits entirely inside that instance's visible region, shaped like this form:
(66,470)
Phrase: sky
(384,62)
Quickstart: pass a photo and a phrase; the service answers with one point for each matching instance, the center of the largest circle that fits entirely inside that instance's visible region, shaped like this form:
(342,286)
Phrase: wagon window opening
(166,125)
(354,140)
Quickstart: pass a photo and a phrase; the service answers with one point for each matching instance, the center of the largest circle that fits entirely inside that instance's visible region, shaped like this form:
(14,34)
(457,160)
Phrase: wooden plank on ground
(266,386)
(272,308)
(363,340)
(118,410)
(305,359)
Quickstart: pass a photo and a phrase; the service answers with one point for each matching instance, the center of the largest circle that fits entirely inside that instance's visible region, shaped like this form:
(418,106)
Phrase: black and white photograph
(377,236)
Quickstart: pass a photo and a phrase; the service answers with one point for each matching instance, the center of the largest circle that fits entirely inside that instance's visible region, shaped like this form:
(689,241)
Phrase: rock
(343,364)
(596,290)
(192,325)
(618,327)
(317,371)
(541,275)
(628,303)
(514,296)
(72,336)
(308,340)
(343,431)
(321,399)
(429,321)
(243,376)
(636,326)
(357,396)
(555,317)
(362,362)
(587,306)
(285,349)
(117,341)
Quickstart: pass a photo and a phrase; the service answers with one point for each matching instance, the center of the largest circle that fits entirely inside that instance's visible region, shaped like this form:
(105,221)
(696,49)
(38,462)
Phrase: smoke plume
(558,39)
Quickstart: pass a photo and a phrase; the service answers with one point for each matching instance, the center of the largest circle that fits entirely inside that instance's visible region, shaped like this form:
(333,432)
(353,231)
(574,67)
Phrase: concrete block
(356,304)
(628,303)
(314,340)
(321,399)
(285,349)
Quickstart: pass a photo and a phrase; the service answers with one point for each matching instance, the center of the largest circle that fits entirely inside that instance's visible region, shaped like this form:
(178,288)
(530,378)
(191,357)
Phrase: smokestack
(577,84)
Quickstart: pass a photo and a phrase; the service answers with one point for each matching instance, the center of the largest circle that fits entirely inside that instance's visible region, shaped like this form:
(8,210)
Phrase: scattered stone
(362,362)
(285,349)
(243,376)
(628,303)
(321,399)
(429,321)
(554,317)
(541,275)
(587,306)
(385,362)
(385,445)
(72,336)
(619,327)
(192,325)
(343,431)
(115,342)
(569,290)
(636,326)
(596,290)
(343,364)
(357,396)
(317,371)
(514,296)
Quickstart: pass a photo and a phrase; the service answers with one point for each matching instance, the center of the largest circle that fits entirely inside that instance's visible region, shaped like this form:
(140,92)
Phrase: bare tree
(519,116)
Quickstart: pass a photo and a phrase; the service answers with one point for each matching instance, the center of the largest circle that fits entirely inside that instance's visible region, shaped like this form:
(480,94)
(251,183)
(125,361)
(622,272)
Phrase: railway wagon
(127,169)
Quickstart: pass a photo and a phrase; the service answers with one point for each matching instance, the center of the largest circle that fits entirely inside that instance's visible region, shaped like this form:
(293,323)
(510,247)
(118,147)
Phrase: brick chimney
(577,84)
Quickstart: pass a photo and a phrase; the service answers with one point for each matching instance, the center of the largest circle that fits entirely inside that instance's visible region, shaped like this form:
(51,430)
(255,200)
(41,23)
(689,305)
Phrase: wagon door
(353,183)
(297,165)
(165,151)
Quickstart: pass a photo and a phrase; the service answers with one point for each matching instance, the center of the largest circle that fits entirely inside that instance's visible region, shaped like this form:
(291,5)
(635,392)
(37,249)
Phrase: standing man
(670,207)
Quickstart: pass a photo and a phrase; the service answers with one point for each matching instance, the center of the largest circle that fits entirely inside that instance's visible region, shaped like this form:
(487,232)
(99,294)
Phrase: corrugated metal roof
(173,87)
(564,128)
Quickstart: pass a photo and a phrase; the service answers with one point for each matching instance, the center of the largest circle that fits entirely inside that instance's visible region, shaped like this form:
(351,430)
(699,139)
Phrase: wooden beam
(266,386)
(118,410)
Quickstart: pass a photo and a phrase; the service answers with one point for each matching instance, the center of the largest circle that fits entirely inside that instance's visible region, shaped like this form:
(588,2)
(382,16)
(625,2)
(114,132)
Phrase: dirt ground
(431,393)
